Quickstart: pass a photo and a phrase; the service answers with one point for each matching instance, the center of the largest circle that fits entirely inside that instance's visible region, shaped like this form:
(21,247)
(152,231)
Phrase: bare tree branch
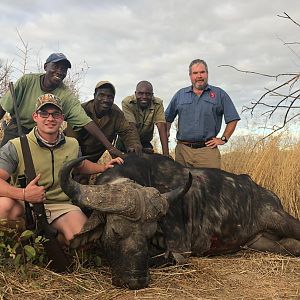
(283,98)
(5,72)
(286,16)
(290,81)
(292,43)
(257,73)
(24,54)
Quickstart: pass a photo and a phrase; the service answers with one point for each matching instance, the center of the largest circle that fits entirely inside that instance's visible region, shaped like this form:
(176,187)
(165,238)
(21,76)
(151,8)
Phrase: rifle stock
(59,262)
(29,221)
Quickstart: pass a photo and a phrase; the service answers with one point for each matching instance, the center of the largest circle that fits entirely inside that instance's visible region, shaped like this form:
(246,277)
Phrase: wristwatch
(224,139)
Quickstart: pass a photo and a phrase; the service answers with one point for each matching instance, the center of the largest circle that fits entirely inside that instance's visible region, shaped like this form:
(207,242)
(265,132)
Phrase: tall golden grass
(273,163)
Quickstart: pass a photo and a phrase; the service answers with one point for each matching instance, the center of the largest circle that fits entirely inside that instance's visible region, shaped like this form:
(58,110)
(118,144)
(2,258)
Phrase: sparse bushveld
(273,163)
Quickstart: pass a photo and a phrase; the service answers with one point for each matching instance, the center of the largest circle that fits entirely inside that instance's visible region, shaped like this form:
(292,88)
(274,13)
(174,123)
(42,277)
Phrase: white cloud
(128,41)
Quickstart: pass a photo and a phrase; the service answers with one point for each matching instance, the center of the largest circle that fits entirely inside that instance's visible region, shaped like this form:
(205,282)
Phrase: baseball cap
(47,99)
(55,57)
(104,83)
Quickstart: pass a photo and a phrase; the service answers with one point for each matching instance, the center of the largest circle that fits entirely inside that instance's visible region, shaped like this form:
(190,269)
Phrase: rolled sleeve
(126,133)
(75,115)
(8,158)
(127,110)
(159,115)
(171,111)
(230,112)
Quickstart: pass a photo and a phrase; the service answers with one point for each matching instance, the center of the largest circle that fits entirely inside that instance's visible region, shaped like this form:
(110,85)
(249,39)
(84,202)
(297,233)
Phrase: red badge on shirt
(212,95)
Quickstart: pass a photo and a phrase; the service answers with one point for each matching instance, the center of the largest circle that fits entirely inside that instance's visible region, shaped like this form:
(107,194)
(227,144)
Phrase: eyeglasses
(45,114)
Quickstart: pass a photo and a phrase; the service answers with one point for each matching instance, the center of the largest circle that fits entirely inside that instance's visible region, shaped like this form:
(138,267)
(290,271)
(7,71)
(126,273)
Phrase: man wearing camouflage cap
(30,86)
(50,149)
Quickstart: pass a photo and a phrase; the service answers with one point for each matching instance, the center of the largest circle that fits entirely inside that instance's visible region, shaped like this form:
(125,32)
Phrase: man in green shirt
(30,86)
(142,110)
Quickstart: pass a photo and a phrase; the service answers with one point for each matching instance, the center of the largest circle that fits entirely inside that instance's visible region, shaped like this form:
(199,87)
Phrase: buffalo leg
(271,243)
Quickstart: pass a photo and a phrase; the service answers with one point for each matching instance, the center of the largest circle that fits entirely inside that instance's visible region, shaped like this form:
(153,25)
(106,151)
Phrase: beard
(200,85)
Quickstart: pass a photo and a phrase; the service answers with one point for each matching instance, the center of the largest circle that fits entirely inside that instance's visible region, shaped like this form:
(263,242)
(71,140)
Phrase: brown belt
(195,145)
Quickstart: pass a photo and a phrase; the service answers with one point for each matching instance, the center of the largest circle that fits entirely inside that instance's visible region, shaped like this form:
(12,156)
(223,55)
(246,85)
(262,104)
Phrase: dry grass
(241,276)
(273,163)
(245,275)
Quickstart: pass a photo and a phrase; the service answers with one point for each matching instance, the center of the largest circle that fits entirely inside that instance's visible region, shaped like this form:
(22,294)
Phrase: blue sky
(128,41)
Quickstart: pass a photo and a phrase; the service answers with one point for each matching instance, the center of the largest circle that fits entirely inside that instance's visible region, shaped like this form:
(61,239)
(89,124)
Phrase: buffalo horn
(179,192)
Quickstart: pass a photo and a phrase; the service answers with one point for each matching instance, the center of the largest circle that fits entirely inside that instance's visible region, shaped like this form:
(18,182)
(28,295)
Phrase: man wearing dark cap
(50,149)
(30,86)
(110,120)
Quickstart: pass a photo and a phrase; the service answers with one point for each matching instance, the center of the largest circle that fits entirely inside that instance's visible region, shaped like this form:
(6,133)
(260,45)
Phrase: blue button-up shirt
(200,117)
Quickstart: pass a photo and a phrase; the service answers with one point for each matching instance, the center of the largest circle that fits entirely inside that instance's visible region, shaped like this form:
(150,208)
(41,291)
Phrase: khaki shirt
(111,124)
(144,119)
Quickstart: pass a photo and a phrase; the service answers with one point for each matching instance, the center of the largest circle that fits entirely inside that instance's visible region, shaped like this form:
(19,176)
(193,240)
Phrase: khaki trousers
(198,158)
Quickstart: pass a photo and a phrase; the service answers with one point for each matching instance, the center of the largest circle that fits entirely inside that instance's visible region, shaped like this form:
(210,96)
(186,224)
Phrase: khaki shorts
(198,158)
(56,210)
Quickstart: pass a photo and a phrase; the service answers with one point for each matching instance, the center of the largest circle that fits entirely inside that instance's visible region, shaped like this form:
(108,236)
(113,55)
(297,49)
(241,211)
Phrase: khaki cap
(104,82)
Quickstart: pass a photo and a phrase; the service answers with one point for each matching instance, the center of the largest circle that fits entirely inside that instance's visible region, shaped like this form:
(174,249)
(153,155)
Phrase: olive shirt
(111,124)
(28,89)
(144,119)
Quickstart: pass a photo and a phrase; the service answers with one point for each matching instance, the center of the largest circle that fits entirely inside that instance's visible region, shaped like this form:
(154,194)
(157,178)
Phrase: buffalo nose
(132,283)
(138,283)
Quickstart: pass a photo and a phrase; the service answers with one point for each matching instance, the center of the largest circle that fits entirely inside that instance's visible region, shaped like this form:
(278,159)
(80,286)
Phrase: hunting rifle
(59,262)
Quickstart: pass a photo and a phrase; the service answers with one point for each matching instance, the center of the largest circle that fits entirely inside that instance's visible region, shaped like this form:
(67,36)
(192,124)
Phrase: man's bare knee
(10,209)
(70,224)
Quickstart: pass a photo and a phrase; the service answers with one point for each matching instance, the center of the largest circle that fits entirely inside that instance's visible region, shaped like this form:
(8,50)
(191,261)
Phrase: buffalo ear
(179,192)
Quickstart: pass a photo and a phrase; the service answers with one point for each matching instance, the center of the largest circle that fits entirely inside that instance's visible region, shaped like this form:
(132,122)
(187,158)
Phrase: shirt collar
(134,100)
(43,143)
(190,88)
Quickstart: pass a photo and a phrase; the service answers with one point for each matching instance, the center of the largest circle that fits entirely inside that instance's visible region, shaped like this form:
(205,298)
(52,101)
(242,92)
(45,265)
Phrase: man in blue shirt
(200,109)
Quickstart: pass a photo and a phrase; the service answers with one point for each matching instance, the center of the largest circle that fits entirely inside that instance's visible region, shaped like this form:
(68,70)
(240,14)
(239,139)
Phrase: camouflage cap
(48,99)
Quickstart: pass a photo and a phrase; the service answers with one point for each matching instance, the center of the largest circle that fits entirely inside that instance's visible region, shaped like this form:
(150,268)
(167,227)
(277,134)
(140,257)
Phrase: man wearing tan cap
(110,120)
(30,86)
(50,149)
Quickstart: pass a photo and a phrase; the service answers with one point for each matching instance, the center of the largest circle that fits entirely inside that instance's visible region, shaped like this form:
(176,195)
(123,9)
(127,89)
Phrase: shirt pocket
(212,108)
(185,101)
(185,105)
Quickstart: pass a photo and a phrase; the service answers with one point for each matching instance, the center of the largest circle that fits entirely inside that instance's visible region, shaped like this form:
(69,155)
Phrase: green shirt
(144,119)
(28,89)
(111,124)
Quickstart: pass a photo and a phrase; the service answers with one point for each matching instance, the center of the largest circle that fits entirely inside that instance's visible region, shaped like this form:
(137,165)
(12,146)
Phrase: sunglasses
(45,114)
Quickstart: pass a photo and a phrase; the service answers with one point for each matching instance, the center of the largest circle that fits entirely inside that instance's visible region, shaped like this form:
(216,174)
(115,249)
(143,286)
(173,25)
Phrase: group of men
(44,102)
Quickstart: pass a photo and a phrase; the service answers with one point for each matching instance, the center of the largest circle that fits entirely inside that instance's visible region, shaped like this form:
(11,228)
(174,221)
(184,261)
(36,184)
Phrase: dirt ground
(246,275)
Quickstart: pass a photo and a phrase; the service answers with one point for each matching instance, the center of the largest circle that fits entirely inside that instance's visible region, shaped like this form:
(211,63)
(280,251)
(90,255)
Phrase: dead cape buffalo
(221,213)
